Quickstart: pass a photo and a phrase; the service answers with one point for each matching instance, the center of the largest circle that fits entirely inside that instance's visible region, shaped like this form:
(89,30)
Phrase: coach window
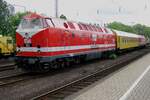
(9,41)
(123,41)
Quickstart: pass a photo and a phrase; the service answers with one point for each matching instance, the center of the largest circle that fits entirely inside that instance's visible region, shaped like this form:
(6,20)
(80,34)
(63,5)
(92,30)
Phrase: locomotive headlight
(38,50)
(18,49)
(38,46)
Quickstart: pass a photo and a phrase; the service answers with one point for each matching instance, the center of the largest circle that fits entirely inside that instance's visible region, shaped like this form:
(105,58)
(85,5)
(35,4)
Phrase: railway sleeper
(66,92)
(71,89)
(59,95)
(51,97)
(92,79)
(87,82)
(78,87)
(81,84)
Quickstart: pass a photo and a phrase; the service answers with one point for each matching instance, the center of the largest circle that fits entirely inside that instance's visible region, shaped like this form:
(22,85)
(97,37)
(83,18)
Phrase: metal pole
(56,8)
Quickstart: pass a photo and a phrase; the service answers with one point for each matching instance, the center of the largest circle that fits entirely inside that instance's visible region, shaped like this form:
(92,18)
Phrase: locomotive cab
(31,25)
(31,38)
(35,23)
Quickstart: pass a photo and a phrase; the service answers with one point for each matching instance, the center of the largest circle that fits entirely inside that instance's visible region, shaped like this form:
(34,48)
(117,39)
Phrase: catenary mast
(56,8)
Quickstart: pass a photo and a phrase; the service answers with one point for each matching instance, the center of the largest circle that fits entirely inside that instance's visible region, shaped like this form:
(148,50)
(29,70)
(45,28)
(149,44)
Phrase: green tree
(137,29)
(4,18)
(142,29)
(63,17)
(15,20)
(121,27)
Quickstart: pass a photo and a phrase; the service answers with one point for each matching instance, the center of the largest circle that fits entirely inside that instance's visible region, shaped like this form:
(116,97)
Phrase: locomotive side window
(94,28)
(85,28)
(59,23)
(90,28)
(45,23)
(49,22)
(76,26)
(65,25)
(100,30)
(71,25)
(80,27)
(105,30)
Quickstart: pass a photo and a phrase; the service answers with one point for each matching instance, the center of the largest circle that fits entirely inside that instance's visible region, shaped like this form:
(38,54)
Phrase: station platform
(131,82)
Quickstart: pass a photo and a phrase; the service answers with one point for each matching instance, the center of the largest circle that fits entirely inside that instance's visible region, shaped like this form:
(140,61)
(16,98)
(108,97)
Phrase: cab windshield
(31,24)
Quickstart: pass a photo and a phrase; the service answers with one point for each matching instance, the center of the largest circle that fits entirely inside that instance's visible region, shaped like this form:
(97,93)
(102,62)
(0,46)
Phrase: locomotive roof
(33,15)
(60,22)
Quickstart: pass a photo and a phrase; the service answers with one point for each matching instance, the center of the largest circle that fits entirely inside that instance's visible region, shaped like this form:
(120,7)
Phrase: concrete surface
(129,83)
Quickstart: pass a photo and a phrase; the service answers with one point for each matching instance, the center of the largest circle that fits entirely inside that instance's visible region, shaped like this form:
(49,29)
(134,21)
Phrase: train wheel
(67,63)
(45,67)
(62,64)
(54,65)
(77,60)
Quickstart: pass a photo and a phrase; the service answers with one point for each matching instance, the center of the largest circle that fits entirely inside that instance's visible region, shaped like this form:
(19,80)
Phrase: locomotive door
(66,38)
(94,39)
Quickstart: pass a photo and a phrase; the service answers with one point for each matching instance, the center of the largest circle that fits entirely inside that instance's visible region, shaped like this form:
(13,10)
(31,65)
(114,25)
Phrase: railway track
(22,77)
(61,92)
(13,79)
(7,67)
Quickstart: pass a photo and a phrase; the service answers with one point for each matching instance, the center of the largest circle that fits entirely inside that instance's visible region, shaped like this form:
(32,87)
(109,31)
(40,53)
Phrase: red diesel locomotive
(44,43)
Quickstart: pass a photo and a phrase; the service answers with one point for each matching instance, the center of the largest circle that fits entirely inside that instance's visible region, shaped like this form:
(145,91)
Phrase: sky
(91,11)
